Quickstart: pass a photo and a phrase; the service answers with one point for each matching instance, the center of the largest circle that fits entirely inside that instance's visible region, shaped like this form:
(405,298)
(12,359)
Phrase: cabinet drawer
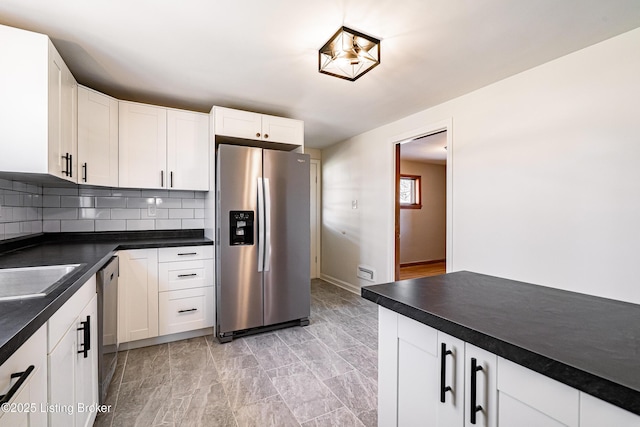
(418,334)
(185,310)
(542,402)
(66,316)
(178,275)
(185,253)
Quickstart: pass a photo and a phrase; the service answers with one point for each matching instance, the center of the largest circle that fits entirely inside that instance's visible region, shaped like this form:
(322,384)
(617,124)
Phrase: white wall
(545,176)
(423,231)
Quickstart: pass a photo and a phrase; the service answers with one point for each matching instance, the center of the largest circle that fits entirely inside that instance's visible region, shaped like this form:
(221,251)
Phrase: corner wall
(546,183)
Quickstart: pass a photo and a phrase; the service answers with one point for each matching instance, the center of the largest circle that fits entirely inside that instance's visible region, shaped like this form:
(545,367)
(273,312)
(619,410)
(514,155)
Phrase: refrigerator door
(286,277)
(239,282)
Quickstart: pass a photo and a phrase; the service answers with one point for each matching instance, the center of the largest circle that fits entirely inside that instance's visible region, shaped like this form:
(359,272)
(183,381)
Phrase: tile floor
(324,374)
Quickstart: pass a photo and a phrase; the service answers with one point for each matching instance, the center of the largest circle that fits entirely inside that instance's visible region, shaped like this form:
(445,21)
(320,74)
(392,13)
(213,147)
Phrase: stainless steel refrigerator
(262,257)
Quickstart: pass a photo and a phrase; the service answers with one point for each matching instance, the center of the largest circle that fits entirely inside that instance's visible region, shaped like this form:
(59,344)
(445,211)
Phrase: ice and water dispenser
(241,227)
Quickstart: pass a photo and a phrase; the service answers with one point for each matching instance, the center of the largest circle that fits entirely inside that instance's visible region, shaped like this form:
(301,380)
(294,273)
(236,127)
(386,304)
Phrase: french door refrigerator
(262,261)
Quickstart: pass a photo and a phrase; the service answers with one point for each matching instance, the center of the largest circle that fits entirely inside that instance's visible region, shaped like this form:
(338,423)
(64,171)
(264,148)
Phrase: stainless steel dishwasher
(107,325)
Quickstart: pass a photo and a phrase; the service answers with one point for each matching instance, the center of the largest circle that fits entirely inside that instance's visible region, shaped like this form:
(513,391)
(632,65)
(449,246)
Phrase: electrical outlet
(151,208)
(354,204)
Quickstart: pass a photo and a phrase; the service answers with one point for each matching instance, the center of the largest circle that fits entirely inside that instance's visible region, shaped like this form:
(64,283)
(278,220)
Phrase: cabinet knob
(258,135)
(266,135)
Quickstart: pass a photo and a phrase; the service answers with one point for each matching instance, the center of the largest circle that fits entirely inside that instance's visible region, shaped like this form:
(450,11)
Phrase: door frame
(395,142)
(318,224)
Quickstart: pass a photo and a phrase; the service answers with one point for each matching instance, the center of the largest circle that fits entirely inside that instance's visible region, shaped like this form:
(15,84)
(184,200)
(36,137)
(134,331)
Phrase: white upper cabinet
(97,138)
(38,107)
(247,125)
(143,145)
(163,148)
(187,150)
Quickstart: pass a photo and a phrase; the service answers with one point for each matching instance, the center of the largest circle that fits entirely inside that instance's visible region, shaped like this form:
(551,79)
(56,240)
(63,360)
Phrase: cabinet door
(596,413)
(543,402)
(86,381)
(418,380)
(143,146)
(187,150)
(451,355)
(97,138)
(58,163)
(483,401)
(62,380)
(185,310)
(69,126)
(237,123)
(138,294)
(280,129)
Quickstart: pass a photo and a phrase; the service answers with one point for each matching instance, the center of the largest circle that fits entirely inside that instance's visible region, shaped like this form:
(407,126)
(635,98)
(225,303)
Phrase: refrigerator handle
(260,221)
(267,225)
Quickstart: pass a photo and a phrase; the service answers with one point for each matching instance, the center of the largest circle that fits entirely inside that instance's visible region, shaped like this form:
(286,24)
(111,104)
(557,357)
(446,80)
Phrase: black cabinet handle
(22,377)
(71,165)
(188,253)
(66,164)
(443,371)
(474,382)
(84,172)
(186,311)
(86,329)
(188,275)
(171,178)
(161,178)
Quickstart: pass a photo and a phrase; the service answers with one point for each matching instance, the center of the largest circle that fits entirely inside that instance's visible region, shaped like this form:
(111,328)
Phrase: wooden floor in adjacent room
(423,270)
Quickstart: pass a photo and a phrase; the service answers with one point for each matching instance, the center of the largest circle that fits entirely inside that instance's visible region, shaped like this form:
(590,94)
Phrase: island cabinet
(429,378)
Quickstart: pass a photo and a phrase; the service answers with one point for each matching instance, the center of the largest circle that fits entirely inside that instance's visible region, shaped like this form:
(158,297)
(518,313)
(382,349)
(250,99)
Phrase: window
(410,192)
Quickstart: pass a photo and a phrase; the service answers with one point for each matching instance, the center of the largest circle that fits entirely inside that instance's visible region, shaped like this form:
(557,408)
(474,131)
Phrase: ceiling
(261,55)
(426,149)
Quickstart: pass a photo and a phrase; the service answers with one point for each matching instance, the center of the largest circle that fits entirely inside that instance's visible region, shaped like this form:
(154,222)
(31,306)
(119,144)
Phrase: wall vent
(367,273)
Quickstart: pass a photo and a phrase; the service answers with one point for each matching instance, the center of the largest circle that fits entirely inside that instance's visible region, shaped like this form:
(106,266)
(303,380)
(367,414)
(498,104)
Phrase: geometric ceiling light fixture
(349,54)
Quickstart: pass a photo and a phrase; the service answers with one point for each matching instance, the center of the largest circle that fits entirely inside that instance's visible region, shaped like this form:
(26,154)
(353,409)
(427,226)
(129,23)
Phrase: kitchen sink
(32,282)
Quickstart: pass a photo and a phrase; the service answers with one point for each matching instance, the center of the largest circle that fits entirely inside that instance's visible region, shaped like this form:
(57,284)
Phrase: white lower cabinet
(138,294)
(429,378)
(26,402)
(165,291)
(73,360)
(429,373)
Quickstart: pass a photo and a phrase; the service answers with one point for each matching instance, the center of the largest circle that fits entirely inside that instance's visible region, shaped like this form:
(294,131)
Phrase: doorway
(421,205)
(315,203)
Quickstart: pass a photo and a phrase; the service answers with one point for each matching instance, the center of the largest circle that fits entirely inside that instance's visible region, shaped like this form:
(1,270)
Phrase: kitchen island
(590,344)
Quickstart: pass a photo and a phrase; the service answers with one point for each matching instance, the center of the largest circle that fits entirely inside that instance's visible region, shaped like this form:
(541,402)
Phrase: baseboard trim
(414,264)
(341,284)
(165,339)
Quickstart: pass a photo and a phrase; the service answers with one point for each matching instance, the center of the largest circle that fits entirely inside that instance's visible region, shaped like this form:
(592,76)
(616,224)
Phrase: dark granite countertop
(19,319)
(586,342)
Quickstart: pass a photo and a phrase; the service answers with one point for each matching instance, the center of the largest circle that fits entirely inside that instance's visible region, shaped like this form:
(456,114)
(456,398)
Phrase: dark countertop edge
(604,389)
(128,240)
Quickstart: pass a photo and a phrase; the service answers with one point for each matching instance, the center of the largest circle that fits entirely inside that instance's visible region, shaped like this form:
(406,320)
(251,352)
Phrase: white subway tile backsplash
(117,192)
(51,226)
(84,191)
(178,194)
(154,193)
(92,213)
(7,214)
(50,201)
(61,191)
(36,226)
(193,203)
(198,213)
(111,225)
(125,213)
(164,202)
(11,198)
(77,225)
(12,230)
(33,214)
(111,202)
(77,201)
(60,213)
(6,185)
(192,223)
(159,213)
(140,202)
(168,224)
(180,213)
(19,186)
(200,194)
(140,224)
